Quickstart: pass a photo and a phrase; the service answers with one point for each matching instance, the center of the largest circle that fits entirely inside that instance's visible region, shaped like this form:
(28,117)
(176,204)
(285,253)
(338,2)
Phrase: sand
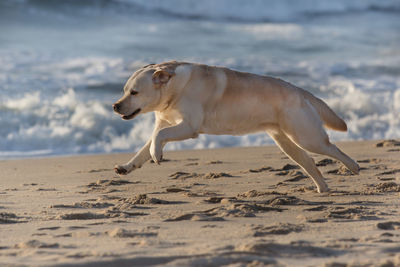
(235,206)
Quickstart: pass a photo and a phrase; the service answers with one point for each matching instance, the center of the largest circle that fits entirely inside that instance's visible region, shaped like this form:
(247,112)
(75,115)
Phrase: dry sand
(234,206)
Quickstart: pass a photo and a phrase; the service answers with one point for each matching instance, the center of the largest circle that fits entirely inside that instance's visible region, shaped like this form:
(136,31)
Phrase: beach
(217,200)
(243,206)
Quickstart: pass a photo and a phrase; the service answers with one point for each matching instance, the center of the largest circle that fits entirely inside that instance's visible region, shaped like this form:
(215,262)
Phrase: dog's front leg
(144,153)
(181,131)
(136,162)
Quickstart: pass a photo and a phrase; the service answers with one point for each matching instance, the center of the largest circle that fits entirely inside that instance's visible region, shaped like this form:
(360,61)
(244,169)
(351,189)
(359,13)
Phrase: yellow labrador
(191,99)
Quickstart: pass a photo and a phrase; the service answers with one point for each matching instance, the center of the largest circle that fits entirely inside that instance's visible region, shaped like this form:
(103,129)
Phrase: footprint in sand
(202,194)
(286,167)
(76,227)
(36,244)
(385,187)
(10,218)
(84,205)
(123,233)
(276,198)
(140,200)
(214,175)
(110,213)
(262,169)
(240,210)
(186,175)
(391,225)
(183,175)
(49,228)
(325,162)
(99,170)
(222,200)
(394,171)
(81,216)
(255,193)
(352,213)
(191,164)
(175,190)
(371,160)
(106,185)
(388,143)
(289,250)
(215,162)
(295,176)
(46,189)
(31,184)
(342,170)
(101,183)
(383,238)
(165,160)
(386,178)
(278,229)
(316,220)
(194,217)
(292,200)
(317,208)
(218,213)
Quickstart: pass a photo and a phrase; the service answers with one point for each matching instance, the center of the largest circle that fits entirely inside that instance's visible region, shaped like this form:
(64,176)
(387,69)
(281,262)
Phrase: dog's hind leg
(304,128)
(333,151)
(300,156)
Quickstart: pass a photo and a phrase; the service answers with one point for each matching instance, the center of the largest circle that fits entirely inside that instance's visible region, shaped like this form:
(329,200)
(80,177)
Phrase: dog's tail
(328,116)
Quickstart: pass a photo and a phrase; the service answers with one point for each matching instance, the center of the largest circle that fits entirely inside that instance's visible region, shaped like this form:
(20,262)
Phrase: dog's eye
(133,92)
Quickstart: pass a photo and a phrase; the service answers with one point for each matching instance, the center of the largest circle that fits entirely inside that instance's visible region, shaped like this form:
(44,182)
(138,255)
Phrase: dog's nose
(116,106)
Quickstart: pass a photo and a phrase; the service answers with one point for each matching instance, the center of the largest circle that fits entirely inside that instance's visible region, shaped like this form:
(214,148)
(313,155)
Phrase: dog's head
(142,91)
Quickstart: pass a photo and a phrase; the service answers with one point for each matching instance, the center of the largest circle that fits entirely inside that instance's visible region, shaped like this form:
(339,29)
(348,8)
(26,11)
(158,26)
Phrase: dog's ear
(161,76)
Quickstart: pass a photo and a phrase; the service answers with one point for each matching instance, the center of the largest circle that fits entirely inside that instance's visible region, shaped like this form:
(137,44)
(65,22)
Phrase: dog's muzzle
(131,116)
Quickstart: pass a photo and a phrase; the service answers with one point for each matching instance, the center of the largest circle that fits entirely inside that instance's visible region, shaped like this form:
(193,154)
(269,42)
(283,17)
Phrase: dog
(191,99)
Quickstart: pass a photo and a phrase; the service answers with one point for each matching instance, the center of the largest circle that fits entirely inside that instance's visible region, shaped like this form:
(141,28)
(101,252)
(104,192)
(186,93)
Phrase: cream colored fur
(191,99)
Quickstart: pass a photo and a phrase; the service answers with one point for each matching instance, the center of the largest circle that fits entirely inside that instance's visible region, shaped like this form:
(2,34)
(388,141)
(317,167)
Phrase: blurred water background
(63,63)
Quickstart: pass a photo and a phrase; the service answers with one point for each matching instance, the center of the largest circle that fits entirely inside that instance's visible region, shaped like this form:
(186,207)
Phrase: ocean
(63,64)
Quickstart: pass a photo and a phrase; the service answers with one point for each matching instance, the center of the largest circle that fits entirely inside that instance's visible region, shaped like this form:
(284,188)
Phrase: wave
(262,11)
(216,10)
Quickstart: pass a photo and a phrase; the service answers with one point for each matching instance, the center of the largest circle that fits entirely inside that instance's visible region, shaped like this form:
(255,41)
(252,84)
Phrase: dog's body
(191,99)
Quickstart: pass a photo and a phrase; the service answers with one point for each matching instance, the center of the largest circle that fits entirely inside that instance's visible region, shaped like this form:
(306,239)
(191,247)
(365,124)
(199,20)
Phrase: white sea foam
(272,31)
(29,101)
(370,115)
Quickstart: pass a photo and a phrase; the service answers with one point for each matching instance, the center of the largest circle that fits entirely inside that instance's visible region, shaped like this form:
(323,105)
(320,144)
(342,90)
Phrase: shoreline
(46,156)
(221,206)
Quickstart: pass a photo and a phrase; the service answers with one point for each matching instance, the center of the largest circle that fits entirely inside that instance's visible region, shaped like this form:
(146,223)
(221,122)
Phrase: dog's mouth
(131,116)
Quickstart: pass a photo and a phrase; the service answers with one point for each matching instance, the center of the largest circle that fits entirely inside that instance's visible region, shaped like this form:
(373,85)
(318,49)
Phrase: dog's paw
(156,153)
(120,170)
(323,188)
(355,168)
